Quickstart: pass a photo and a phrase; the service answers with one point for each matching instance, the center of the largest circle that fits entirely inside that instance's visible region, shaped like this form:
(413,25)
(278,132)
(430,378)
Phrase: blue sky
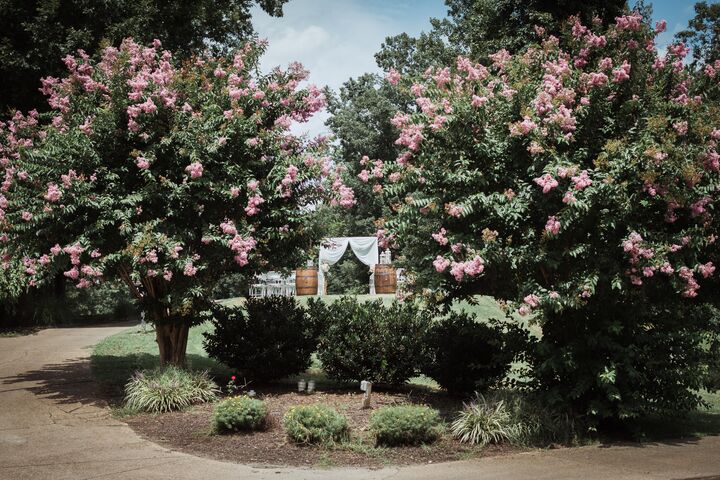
(337,39)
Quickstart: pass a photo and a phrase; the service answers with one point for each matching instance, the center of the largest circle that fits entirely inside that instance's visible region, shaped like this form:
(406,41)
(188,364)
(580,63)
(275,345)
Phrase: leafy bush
(405,425)
(465,355)
(268,338)
(169,388)
(368,341)
(309,424)
(239,414)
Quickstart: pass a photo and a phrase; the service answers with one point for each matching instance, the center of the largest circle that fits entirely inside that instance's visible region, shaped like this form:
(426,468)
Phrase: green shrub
(368,341)
(267,338)
(168,388)
(239,414)
(465,355)
(405,425)
(310,424)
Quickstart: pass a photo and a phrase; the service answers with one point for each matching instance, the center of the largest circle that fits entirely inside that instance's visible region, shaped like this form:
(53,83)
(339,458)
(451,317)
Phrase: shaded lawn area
(117,357)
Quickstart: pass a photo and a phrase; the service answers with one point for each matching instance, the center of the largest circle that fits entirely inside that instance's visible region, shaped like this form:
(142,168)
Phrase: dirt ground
(190,431)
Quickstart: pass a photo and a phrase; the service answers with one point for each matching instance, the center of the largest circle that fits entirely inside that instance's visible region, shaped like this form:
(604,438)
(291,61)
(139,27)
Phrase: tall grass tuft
(167,389)
(483,422)
(511,418)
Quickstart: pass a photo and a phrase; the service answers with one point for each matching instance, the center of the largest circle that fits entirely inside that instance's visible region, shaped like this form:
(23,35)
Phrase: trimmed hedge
(266,339)
(369,341)
(466,355)
(312,424)
(240,414)
(405,425)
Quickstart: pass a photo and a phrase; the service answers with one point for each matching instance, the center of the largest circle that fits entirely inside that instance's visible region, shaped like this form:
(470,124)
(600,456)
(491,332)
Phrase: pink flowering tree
(164,175)
(577,181)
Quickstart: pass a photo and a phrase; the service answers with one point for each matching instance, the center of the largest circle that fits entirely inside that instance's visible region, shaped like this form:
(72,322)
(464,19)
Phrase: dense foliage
(467,355)
(405,425)
(312,424)
(580,182)
(266,339)
(167,389)
(238,414)
(370,341)
(36,34)
(164,175)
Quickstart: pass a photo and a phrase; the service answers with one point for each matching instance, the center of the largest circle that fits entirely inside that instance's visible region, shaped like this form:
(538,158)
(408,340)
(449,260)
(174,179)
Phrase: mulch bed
(190,431)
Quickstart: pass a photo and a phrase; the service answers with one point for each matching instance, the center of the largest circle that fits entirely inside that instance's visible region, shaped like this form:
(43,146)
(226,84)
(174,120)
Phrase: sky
(337,39)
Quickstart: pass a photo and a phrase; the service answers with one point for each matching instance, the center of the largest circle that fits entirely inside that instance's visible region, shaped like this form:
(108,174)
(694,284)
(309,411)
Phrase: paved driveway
(51,428)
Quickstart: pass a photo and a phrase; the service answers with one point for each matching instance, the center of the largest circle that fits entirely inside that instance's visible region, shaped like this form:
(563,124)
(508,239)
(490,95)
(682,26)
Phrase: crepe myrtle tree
(164,175)
(578,184)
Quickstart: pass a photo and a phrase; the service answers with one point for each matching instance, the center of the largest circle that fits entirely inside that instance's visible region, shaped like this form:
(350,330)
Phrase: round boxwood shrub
(369,341)
(168,388)
(405,425)
(239,414)
(311,424)
(267,338)
(466,355)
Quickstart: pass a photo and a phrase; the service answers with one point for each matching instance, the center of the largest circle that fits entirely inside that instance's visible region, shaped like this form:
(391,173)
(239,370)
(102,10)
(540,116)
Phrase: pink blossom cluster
(440,237)
(552,227)
(242,247)
(53,193)
(344,196)
(472,268)
(195,170)
(441,263)
(547,182)
(530,302)
(253,205)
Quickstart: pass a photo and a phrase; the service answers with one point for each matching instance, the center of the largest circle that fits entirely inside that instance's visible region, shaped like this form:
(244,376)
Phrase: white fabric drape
(332,250)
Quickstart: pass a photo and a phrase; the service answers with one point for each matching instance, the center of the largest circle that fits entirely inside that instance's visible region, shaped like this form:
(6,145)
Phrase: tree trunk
(172,342)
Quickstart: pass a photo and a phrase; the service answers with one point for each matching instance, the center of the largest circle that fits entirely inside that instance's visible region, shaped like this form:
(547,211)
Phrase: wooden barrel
(306,281)
(385,279)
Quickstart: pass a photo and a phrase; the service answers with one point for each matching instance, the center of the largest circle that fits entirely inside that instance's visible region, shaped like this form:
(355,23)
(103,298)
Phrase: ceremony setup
(323,239)
(383,278)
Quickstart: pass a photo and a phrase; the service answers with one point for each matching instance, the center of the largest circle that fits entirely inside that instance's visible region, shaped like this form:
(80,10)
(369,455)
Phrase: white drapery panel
(332,250)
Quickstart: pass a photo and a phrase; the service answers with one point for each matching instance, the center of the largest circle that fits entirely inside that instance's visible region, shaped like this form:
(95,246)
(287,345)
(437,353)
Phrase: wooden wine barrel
(385,279)
(306,281)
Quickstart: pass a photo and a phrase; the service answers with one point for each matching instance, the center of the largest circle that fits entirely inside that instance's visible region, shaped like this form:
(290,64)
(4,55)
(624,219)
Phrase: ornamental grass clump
(167,389)
(483,422)
(313,424)
(405,425)
(240,414)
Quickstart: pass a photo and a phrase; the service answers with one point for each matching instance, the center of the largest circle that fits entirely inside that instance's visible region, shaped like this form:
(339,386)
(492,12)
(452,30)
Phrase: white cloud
(336,39)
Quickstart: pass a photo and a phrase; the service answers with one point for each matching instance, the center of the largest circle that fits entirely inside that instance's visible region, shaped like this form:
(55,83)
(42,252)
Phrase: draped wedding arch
(332,250)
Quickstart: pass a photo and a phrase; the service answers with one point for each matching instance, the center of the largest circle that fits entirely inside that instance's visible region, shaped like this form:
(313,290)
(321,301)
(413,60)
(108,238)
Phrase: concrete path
(50,429)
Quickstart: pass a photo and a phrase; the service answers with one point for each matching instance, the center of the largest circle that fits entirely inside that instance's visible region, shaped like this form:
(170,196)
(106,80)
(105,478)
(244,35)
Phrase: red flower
(232,378)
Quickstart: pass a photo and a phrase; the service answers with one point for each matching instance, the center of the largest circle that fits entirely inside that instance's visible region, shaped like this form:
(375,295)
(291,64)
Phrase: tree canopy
(36,34)
(164,174)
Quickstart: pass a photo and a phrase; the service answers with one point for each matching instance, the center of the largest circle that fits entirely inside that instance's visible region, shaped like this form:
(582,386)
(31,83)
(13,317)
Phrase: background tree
(703,34)
(575,180)
(165,175)
(36,34)
(364,107)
